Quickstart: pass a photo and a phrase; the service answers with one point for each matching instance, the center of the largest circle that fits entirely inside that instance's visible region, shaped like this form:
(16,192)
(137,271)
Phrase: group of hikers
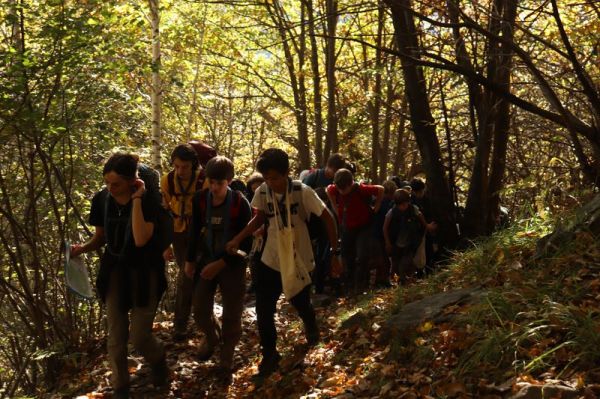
(323,233)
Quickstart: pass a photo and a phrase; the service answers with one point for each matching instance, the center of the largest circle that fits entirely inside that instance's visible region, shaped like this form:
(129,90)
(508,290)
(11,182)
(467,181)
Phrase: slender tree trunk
(156,84)
(401,140)
(192,125)
(375,103)
(502,125)
(316,78)
(422,120)
(331,143)
(387,123)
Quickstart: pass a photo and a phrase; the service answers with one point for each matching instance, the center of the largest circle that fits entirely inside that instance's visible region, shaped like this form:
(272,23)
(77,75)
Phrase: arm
(386,234)
(429,227)
(333,202)
(330,226)
(142,230)
(257,221)
(94,243)
(378,198)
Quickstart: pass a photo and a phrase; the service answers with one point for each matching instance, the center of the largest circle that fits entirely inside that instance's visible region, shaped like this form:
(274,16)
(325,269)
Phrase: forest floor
(534,333)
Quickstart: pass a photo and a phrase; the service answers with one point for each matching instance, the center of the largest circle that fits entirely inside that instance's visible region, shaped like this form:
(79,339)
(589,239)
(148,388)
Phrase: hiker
(352,202)
(403,230)
(218,213)
(421,200)
(381,260)
(131,279)
(287,256)
(178,187)
(318,180)
(259,236)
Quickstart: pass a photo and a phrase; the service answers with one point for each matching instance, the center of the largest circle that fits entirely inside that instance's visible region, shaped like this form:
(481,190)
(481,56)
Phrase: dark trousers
(355,254)
(268,291)
(185,285)
(322,262)
(403,264)
(231,282)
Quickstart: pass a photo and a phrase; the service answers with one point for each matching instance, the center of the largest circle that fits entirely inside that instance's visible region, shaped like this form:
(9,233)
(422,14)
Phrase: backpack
(413,224)
(234,211)
(163,231)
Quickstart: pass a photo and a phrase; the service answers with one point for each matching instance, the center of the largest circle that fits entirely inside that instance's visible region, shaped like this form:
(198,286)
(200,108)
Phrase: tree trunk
(331,143)
(156,84)
(316,78)
(375,103)
(422,120)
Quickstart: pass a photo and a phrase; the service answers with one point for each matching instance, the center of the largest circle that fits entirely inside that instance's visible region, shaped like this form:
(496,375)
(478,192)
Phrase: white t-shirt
(303,202)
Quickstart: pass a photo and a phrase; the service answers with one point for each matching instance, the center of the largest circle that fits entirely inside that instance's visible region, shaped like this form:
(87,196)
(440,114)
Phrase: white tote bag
(294,273)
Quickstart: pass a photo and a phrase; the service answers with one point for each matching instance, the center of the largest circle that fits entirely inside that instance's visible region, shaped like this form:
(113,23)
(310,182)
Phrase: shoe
(312,335)
(224,375)
(206,351)
(121,393)
(269,364)
(160,373)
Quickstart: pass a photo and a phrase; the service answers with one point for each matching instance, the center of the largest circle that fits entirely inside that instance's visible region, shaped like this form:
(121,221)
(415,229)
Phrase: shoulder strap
(171,183)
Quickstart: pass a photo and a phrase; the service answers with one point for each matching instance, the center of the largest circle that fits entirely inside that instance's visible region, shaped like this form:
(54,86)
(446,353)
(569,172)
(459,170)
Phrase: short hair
(336,161)
(343,178)
(185,152)
(273,159)
(351,166)
(122,163)
(401,196)
(417,184)
(220,168)
(389,187)
(253,179)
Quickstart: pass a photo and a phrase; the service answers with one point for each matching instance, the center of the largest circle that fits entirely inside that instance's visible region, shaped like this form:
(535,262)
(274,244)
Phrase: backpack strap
(171,183)
(128,231)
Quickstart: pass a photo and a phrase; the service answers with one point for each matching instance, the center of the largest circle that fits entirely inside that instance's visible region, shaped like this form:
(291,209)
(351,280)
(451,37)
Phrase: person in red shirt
(355,205)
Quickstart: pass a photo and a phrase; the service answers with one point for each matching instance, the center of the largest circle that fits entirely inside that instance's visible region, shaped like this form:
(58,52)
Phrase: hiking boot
(312,335)
(121,393)
(268,365)
(206,350)
(160,373)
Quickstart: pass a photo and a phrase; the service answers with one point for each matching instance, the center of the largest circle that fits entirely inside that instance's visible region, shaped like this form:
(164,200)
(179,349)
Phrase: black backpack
(163,231)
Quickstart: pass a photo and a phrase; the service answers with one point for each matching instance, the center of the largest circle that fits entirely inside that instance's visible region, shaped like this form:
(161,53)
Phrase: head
(402,199)
(343,180)
(334,163)
(418,187)
(274,165)
(389,188)
(255,180)
(120,173)
(184,161)
(219,173)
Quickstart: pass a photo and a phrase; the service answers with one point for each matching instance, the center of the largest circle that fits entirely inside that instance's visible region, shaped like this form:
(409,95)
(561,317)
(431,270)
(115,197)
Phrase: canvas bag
(294,273)
(420,258)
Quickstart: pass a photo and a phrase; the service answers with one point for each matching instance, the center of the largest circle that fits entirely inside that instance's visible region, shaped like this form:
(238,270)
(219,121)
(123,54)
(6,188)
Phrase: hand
(189,269)
(76,250)
(232,246)
(212,269)
(336,267)
(168,254)
(432,227)
(388,248)
(140,188)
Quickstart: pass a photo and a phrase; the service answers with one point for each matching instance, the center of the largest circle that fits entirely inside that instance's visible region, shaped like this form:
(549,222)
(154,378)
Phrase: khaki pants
(137,327)
(185,285)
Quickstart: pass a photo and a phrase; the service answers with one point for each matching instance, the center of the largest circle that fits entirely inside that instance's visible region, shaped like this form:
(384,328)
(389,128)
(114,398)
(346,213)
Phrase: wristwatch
(336,251)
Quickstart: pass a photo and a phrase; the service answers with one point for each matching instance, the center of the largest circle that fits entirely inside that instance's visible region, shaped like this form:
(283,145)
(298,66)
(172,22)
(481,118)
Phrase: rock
(357,319)
(548,391)
(587,218)
(429,308)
